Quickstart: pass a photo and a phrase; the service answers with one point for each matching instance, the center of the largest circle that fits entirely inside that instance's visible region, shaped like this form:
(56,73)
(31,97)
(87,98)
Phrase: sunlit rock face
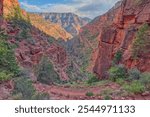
(9,7)
(69,21)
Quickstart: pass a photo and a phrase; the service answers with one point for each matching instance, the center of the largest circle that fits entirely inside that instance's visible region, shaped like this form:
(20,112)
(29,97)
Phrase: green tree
(141,42)
(24,87)
(7,58)
(46,73)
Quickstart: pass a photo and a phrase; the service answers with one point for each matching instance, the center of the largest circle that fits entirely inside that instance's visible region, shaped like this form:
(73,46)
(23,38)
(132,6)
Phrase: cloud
(85,8)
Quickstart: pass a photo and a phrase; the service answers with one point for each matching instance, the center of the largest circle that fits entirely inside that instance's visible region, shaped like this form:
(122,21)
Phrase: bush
(92,79)
(89,94)
(145,80)
(118,71)
(3,34)
(134,74)
(40,96)
(24,87)
(4,76)
(51,40)
(134,87)
(46,73)
(118,57)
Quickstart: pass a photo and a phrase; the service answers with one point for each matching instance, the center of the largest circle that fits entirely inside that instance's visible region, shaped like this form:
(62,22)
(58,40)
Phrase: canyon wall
(120,34)
(117,32)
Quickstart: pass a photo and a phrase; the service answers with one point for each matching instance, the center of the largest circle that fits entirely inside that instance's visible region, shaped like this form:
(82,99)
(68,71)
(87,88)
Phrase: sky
(84,8)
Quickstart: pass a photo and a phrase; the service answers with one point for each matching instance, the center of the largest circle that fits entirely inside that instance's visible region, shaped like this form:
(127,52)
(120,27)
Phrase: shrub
(3,34)
(24,87)
(4,76)
(89,94)
(24,73)
(46,73)
(51,40)
(107,97)
(40,96)
(134,74)
(138,2)
(92,78)
(134,87)
(145,80)
(118,57)
(118,71)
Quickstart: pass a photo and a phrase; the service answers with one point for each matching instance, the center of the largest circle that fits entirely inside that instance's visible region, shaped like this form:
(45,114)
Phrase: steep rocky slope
(117,31)
(69,21)
(30,43)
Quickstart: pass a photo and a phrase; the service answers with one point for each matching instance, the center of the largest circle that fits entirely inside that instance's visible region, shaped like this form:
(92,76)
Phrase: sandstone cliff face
(69,21)
(9,6)
(117,30)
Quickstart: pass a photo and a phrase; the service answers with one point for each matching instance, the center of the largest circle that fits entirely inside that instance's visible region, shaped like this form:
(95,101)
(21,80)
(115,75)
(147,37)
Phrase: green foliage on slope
(141,42)
(46,73)
(8,64)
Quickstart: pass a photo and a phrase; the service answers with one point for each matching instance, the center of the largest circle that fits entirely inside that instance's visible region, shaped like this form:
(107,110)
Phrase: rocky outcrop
(69,21)
(117,30)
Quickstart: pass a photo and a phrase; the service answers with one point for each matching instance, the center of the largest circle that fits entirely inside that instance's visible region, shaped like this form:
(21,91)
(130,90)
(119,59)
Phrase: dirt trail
(67,92)
(79,93)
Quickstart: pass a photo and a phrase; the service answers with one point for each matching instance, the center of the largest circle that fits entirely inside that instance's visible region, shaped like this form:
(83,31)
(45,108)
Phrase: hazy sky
(86,8)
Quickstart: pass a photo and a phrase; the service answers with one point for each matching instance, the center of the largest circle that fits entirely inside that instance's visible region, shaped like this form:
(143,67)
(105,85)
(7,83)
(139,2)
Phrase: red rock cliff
(117,29)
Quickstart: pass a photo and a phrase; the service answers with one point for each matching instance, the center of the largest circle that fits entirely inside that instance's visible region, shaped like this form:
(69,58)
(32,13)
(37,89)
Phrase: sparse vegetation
(24,90)
(138,2)
(40,96)
(106,94)
(134,87)
(120,81)
(145,80)
(24,87)
(89,94)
